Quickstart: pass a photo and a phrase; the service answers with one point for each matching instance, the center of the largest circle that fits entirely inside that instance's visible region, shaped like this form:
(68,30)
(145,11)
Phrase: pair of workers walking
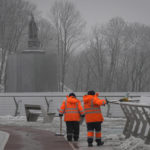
(73,111)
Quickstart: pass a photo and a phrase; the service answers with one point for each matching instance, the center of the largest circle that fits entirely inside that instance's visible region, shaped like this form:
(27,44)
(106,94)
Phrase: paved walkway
(79,146)
(38,136)
(27,138)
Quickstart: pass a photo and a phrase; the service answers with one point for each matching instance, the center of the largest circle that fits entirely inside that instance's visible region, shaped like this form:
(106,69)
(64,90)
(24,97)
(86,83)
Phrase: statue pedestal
(33,44)
(32,71)
(33,51)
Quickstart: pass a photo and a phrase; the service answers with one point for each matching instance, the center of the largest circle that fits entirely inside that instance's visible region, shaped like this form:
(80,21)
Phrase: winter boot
(76,138)
(100,143)
(69,138)
(90,145)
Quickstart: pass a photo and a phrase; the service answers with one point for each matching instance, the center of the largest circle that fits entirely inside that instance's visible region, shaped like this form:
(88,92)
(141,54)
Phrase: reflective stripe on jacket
(72,109)
(92,108)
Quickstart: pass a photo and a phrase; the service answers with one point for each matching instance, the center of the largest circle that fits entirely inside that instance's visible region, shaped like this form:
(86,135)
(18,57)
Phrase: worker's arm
(80,108)
(62,109)
(99,102)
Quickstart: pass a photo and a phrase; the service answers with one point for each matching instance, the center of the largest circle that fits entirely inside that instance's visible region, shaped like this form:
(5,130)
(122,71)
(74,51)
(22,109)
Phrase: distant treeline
(111,57)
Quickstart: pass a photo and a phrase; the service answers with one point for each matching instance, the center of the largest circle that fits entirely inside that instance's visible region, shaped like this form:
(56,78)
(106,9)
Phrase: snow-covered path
(112,129)
(3,139)
(27,138)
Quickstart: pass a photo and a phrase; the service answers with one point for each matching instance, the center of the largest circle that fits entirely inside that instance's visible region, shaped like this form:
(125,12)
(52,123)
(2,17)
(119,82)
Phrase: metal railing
(17,101)
(137,120)
(48,98)
(137,115)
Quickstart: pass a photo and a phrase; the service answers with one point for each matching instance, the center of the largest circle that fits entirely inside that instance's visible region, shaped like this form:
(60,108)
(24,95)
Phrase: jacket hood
(71,99)
(87,98)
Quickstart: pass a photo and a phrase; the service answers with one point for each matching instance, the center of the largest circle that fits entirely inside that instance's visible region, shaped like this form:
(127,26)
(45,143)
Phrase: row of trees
(14,20)
(114,57)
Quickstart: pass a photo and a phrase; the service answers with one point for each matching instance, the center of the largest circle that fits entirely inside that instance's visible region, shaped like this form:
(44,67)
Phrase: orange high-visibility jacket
(72,109)
(92,108)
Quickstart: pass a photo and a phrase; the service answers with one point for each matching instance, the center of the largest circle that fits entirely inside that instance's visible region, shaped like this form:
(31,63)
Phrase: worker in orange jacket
(93,117)
(72,110)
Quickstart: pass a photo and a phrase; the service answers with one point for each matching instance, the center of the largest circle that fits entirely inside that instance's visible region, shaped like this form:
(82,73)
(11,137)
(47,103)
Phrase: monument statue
(33,30)
(33,42)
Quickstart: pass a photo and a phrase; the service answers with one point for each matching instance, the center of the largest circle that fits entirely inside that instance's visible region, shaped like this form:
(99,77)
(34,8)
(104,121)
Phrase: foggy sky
(101,11)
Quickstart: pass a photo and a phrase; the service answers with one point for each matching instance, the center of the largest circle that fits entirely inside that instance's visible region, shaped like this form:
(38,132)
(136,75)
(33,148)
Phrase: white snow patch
(145,100)
(3,139)
(114,119)
(133,144)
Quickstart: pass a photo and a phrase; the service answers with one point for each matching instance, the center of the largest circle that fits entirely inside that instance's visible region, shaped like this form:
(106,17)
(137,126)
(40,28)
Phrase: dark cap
(91,92)
(72,94)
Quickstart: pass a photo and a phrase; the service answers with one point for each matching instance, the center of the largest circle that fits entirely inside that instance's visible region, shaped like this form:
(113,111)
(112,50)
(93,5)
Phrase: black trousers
(90,128)
(72,130)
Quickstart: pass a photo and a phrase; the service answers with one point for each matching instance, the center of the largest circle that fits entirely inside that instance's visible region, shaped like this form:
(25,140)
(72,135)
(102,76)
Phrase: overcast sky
(101,11)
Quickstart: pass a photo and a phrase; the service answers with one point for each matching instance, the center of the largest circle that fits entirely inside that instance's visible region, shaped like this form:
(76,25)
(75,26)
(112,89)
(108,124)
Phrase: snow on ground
(3,139)
(112,129)
(133,144)
(145,100)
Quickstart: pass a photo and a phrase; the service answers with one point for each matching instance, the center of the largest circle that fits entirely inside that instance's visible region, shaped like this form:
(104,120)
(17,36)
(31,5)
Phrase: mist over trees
(114,57)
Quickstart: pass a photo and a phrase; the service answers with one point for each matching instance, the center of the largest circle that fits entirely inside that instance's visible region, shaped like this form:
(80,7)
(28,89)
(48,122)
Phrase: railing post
(17,106)
(131,118)
(48,103)
(144,124)
(108,110)
(147,141)
(137,120)
(126,130)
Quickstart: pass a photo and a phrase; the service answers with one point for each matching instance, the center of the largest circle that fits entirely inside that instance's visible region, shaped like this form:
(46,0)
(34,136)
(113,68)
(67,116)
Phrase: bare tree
(47,35)
(97,53)
(114,43)
(69,26)
(13,20)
